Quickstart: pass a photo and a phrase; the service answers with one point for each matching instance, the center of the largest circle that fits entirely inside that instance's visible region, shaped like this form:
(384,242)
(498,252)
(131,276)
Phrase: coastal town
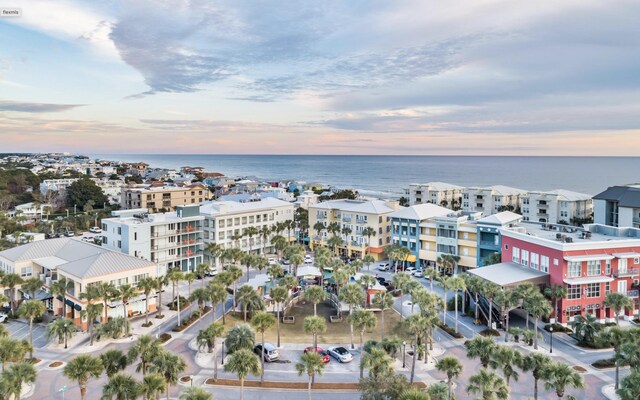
(190,283)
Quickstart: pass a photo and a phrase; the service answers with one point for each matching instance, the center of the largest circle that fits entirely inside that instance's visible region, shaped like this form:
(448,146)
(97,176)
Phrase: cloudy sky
(321,77)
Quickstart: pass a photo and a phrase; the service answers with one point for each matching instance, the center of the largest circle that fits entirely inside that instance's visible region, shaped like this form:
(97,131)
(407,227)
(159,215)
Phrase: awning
(589,257)
(626,255)
(411,258)
(308,270)
(587,279)
(510,274)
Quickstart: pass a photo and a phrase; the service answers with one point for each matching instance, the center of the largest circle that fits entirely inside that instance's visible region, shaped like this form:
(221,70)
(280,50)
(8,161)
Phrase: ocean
(391,175)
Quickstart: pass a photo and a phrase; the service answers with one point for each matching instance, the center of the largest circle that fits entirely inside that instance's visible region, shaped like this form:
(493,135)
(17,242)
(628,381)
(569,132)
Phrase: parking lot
(290,355)
(20,330)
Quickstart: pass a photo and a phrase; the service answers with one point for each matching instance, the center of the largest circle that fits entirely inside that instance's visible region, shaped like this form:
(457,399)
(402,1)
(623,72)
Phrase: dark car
(381,280)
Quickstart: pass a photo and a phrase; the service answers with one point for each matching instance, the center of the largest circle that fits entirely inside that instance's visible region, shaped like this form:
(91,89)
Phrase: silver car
(270,352)
(341,354)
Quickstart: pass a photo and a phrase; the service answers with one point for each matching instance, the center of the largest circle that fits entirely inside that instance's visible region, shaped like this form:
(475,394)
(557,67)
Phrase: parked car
(69,234)
(381,280)
(285,262)
(3,317)
(308,259)
(95,229)
(383,267)
(410,270)
(272,260)
(419,274)
(87,239)
(212,271)
(319,350)
(341,354)
(270,352)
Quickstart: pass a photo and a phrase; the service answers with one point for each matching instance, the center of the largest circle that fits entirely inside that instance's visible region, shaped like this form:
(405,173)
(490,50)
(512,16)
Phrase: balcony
(542,213)
(633,293)
(321,216)
(361,221)
(346,219)
(627,273)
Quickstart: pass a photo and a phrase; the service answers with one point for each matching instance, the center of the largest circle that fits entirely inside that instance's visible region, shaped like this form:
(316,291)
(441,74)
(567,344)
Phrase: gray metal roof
(509,274)
(626,196)
(83,260)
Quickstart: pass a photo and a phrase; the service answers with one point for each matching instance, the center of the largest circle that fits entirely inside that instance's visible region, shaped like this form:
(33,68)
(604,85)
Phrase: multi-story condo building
(453,234)
(489,238)
(491,200)
(112,188)
(82,264)
(406,230)
(440,193)
(618,206)
(590,262)
(162,198)
(226,222)
(170,240)
(557,206)
(356,216)
(138,169)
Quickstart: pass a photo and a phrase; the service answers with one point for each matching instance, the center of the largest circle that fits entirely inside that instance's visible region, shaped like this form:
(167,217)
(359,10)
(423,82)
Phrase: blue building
(489,239)
(406,230)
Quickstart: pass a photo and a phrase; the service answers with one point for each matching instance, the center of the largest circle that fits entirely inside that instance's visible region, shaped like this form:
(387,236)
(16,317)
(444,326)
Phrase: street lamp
(551,340)
(222,352)
(62,390)
(65,335)
(404,354)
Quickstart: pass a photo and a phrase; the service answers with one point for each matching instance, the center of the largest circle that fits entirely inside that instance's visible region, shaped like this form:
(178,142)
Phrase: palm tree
(11,281)
(399,281)
(189,277)
(13,350)
(536,363)
(296,260)
(368,232)
(507,300)
(618,302)
(161,282)
(506,359)
(240,337)
(175,276)
(126,292)
(202,268)
(452,367)
(383,301)
(559,376)
(481,347)
(62,328)
(251,232)
(243,362)
(215,251)
(616,336)
(195,393)
(586,328)
(120,387)
(279,243)
(474,285)
(334,242)
(489,291)
(353,296)
(31,286)
(432,274)
(346,231)
(415,324)
(151,386)
(630,388)
(418,394)
(114,361)
(217,294)
(146,348)
(311,364)
(279,294)
(31,310)
(170,366)
(199,296)
(59,288)
(314,325)
(525,291)
(235,273)
(17,375)
(538,306)
(363,320)
(368,260)
(556,293)
(261,322)
(147,285)
(91,312)
(315,294)
(630,354)
(489,384)
(107,292)
(340,277)
(378,362)
(207,338)
(81,369)
(457,283)
(447,283)
(244,295)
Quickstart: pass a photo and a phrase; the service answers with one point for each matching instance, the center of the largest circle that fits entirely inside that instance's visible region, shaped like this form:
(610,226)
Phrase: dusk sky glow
(475,77)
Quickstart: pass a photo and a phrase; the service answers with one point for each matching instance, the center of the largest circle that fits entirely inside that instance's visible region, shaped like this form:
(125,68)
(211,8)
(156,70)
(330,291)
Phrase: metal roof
(626,196)
(508,274)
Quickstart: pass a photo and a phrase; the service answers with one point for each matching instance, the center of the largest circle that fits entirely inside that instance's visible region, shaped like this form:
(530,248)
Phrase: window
(525,258)
(516,255)
(135,235)
(592,289)
(607,288)
(534,260)
(26,271)
(593,267)
(544,264)
(573,292)
(574,269)
(607,267)
(119,231)
(119,244)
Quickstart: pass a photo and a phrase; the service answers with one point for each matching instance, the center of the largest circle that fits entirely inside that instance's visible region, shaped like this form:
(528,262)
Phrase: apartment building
(82,264)
(170,240)
(165,198)
(618,206)
(226,222)
(492,199)
(557,206)
(440,193)
(137,169)
(356,215)
(406,230)
(112,188)
(452,234)
(590,262)
(489,238)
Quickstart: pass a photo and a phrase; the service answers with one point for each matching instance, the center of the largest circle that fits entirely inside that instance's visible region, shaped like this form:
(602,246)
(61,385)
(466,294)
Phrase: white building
(435,193)
(112,188)
(29,210)
(492,199)
(306,199)
(618,206)
(556,206)
(225,222)
(171,240)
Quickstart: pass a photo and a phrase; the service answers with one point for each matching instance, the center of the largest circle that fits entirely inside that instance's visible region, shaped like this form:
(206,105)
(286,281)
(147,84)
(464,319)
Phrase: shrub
(557,328)
(173,306)
(594,345)
(450,330)
(516,333)
(451,306)
(490,332)
(165,337)
(147,324)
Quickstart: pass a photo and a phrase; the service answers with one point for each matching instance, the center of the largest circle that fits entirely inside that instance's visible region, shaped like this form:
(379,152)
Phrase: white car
(308,260)
(3,317)
(95,229)
(212,271)
(410,270)
(418,274)
(272,260)
(383,267)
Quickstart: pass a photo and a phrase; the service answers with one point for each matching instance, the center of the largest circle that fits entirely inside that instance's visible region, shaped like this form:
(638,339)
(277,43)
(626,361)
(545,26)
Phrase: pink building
(590,262)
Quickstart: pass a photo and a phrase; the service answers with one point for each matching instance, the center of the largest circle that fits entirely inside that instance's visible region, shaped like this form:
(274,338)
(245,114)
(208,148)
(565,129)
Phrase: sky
(465,77)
